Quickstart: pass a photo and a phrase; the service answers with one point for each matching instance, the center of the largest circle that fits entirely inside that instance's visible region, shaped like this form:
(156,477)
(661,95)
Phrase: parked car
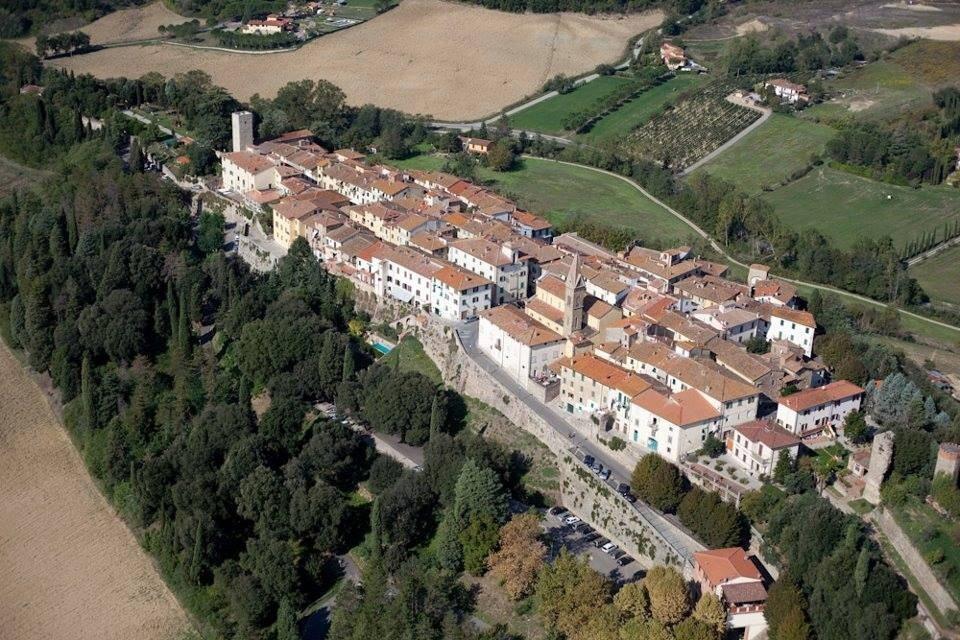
(571,520)
(624,561)
(618,553)
(599,542)
(584,528)
(597,468)
(623,488)
(608,548)
(557,511)
(590,537)
(588,460)
(605,474)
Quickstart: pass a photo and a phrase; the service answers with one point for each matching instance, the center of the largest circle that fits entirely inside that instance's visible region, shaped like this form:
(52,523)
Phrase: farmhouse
(673,56)
(756,446)
(519,345)
(787,91)
(272,25)
(476,145)
(808,413)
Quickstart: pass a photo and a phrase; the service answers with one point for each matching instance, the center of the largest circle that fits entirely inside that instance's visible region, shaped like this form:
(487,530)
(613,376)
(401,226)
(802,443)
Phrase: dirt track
(69,567)
(451,61)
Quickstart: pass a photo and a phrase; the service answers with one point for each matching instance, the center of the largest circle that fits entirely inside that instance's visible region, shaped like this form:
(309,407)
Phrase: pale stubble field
(69,567)
(452,61)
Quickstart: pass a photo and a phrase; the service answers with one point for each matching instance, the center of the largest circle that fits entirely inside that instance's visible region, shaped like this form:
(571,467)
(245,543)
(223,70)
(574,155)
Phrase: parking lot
(579,540)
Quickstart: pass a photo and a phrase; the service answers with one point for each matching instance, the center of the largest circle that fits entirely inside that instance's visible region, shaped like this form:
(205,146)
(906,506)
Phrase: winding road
(719,249)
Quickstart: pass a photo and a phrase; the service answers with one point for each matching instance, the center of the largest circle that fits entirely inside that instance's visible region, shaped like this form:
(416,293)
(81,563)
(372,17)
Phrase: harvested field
(125,25)
(70,567)
(947,32)
(451,61)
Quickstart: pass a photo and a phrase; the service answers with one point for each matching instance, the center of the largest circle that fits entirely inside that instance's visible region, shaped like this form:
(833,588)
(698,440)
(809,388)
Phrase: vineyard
(689,129)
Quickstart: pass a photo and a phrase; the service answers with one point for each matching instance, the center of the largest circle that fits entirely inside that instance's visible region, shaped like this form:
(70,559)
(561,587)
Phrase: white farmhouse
(519,345)
(809,412)
(796,327)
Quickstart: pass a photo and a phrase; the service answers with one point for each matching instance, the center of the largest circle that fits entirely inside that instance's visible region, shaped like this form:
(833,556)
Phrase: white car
(571,520)
(608,548)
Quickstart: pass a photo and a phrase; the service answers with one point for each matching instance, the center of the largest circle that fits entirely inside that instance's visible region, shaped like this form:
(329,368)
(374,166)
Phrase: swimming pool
(382,348)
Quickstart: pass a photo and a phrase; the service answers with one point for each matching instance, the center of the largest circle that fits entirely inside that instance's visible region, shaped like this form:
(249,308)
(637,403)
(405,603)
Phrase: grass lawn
(641,108)
(846,207)
(548,116)
(410,356)
(940,275)
(562,192)
(15,176)
(933,536)
(861,506)
(769,154)
(877,90)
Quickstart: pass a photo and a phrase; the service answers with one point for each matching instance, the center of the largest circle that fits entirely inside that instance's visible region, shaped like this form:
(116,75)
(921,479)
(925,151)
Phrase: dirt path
(69,567)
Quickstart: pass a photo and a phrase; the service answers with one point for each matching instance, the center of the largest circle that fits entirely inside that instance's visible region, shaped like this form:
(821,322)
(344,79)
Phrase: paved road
(683,544)
(719,249)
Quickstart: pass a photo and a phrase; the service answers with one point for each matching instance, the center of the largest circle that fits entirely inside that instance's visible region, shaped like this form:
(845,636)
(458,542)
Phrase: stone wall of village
(584,493)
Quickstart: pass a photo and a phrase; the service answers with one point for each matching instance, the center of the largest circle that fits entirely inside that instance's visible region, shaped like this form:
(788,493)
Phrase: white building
(735,324)
(459,294)
(672,425)
(500,263)
(787,91)
(731,576)
(809,412)
(404,275)
(756,446)
(735,400)
(796,327)
(244,171)
(519,345)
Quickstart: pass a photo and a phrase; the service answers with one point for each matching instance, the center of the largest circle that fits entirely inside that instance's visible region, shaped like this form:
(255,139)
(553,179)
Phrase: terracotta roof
(736,358)
(684,408)
(249,161)
(607,374)
(720,565)
(299,134)
(552,285)
(535,305)
(782,291)
(809,398)
(265,196)
(767,433)
(459,279)
(531,221)
(483,250)
(800,317)
(744,592)
(412,221)
(428,241)
(520,326)
(370,251)
(596,308)
(294,209)
(783,83)
(710,288)
(702,376)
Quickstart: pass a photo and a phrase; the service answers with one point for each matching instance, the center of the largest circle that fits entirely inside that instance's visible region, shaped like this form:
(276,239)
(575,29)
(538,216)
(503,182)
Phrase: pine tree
(478,492)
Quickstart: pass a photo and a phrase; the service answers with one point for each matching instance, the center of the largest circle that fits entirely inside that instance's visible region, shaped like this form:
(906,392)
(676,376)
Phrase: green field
(940,276)
(639,110)
(562,192)
(768,155)
(932,534)
(410,356)
(878,90)
(846,207)
(548,116)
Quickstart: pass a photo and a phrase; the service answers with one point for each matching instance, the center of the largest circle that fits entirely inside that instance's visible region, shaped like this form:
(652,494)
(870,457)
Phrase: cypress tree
(349,363)
(183,327)
(86,394)
(439,412)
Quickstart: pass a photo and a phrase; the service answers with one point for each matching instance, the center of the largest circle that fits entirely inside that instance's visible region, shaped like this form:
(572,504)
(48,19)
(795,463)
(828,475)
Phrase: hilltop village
(658,346)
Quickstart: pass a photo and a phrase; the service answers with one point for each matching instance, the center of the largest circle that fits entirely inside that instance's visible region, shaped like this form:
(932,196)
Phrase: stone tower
(948,461)
(880,458)
(575,291)
(242,122)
